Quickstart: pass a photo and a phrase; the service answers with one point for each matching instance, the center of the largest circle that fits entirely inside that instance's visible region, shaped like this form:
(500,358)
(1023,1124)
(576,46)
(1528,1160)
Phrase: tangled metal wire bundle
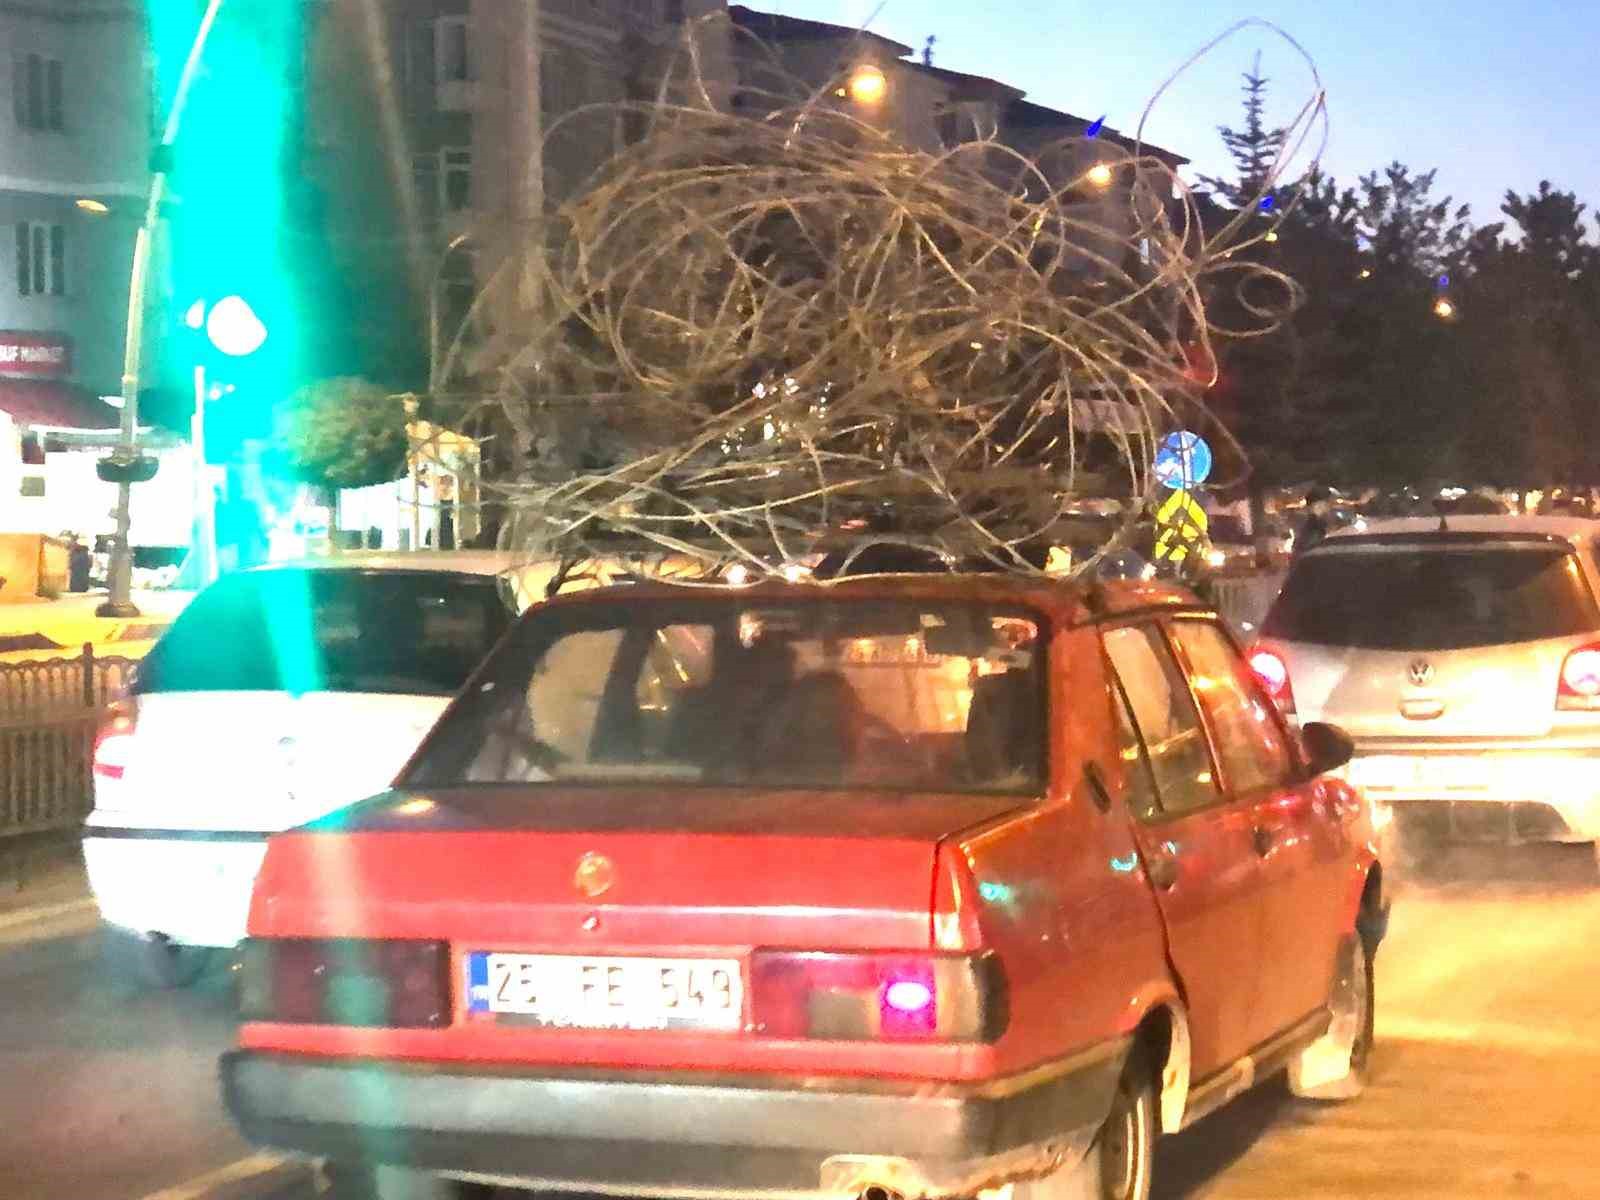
(767,328)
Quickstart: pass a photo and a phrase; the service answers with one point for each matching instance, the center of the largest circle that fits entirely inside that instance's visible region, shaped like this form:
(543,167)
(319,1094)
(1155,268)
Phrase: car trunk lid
(589,870)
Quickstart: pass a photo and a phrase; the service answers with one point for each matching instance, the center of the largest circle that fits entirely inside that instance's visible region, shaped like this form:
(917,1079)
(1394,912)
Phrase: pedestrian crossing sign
(1182,526)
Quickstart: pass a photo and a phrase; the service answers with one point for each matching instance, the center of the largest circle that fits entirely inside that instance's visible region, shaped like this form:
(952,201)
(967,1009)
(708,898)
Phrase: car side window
(1141,781)
(1250,739)
(1165,717)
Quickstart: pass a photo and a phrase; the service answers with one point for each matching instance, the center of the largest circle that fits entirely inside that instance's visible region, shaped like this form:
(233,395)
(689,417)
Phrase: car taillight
(1273,672)
(114,738)
(870,997)
(1580,680)
(345,981)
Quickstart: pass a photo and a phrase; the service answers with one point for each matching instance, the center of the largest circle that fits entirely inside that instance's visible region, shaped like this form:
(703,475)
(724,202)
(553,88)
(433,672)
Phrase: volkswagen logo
(1421,672)
(594,876)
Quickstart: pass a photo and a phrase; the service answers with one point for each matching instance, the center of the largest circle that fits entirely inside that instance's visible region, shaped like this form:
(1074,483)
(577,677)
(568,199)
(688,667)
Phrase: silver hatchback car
(1463,656)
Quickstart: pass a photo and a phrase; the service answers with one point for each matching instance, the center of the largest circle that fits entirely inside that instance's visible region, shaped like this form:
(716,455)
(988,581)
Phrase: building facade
(74,153)
(442,131)
(73,172)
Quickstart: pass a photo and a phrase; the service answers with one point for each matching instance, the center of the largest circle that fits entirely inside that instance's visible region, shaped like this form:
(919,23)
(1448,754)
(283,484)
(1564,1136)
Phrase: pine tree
(1254,149)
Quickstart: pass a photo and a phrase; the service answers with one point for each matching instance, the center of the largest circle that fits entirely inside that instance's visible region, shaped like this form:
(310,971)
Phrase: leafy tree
(1531,345)
(343,432)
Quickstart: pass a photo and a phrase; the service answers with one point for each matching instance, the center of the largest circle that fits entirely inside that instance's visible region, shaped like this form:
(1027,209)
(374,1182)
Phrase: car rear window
(406,632)
(723,690)
(1432,598)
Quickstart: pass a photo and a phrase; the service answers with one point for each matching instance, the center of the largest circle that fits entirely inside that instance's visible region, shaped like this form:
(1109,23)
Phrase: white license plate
(1421,773)
(589,992)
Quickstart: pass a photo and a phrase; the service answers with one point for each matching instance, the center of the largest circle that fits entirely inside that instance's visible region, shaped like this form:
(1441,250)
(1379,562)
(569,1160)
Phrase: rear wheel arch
(1161,1044)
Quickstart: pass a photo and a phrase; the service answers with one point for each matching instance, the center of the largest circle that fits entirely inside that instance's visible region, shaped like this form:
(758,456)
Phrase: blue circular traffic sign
(1182,460)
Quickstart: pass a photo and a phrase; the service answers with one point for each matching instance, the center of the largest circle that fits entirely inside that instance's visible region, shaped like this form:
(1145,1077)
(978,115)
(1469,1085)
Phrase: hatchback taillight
(114,738)
(345,981)
(1579,688)
(871,997)
(1273,672)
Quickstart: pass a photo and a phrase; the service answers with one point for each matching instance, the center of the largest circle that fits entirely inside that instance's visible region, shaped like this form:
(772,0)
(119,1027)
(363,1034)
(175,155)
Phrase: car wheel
(1334,1067)
(1119,1161)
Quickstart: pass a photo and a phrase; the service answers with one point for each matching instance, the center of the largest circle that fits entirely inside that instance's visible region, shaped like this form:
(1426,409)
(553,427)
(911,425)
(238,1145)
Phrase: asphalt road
(1483,1078)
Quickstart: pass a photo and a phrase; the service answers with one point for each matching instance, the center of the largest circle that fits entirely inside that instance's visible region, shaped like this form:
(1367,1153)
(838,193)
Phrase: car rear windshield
(406,632)
(1432,598)
(723,690)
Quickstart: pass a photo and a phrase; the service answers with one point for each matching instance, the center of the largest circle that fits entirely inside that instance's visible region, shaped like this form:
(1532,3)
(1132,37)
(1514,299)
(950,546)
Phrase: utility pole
(118,602)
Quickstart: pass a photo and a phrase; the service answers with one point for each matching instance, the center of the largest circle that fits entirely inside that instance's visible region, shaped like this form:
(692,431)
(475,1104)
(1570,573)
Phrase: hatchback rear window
(405,632)
(1432,598)
(921,696)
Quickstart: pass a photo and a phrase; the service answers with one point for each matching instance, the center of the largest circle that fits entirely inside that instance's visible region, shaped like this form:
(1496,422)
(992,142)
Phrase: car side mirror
(1327,746)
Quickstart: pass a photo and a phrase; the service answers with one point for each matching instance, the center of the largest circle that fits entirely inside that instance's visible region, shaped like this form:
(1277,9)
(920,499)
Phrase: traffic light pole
(119,602)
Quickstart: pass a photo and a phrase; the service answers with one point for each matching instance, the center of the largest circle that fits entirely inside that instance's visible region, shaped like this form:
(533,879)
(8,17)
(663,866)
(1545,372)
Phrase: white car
(279,695)
(1463,656)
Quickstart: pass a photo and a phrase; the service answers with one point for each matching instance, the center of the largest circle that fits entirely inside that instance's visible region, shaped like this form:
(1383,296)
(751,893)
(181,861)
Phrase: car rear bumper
(677,1135)
(1530,792)
(191,886)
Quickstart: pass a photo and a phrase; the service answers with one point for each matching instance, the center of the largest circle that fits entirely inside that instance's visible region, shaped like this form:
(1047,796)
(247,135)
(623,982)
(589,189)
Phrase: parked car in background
(279,694)
(1463,656)
(901,886)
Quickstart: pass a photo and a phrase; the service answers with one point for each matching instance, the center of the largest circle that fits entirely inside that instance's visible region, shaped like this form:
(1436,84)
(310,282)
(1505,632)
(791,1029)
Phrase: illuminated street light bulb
(1099,175)
(234,328)
(1366,273)
(1272,235)
(867,85)
(1443,308)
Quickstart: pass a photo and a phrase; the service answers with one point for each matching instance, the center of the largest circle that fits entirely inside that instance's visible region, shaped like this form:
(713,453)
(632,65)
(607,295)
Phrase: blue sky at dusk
(1494,95)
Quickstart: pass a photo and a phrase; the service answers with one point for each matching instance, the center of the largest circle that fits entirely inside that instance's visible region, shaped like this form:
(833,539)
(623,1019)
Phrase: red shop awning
(55,405)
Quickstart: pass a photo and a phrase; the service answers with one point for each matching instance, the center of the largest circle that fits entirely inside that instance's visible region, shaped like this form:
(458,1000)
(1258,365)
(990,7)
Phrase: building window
(425,183)
(36,92)
(41,259)
(452,50)
(457,179)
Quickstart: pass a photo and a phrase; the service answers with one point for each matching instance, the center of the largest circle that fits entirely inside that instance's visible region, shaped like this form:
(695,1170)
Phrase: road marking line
(234,1172)
(43,912)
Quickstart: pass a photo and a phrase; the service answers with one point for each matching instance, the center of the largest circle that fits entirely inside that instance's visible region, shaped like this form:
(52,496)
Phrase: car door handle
(1263,839)
(1162,868)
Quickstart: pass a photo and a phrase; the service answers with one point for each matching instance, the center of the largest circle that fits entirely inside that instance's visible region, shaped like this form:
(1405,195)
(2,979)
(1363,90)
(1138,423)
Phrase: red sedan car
(910,887)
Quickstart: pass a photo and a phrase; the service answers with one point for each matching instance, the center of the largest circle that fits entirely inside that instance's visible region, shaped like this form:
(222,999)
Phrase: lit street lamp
(1443,309)
(867,84)
(1099,175)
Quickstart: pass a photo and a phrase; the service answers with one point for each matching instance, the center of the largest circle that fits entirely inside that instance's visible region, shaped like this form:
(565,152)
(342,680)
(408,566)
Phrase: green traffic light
(228,229)
(234,328)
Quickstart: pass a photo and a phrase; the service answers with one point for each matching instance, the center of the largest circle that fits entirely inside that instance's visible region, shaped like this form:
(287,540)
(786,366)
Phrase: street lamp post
(118,601)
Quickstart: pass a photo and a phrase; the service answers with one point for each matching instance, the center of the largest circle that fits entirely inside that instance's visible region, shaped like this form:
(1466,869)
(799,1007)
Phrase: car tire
(158,962)
(1335,1066)
(1120,1160)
